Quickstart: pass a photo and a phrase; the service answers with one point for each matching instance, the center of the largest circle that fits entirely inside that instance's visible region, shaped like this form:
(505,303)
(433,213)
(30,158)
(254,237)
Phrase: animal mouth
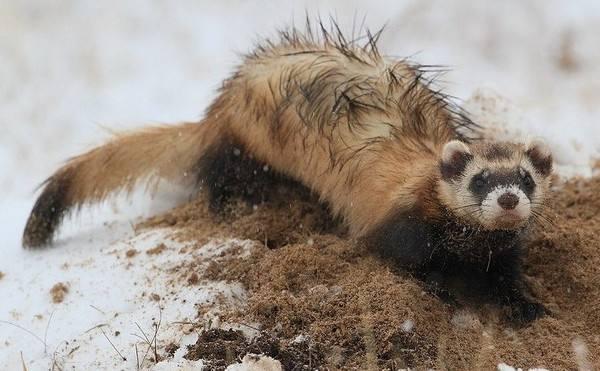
(510,219)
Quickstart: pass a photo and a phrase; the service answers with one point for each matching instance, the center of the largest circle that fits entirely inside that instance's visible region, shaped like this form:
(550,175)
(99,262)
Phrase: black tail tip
(47,214)
(38,232)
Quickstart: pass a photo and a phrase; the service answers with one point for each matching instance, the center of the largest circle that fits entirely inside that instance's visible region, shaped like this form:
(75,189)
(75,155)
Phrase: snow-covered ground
(70,70)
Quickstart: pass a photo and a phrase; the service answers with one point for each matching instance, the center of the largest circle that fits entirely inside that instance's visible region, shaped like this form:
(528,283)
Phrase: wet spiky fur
(362,131)
(314,106)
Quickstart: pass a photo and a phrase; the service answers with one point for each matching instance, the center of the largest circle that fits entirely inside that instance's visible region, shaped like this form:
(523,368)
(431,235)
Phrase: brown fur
(120,164)
(362,131)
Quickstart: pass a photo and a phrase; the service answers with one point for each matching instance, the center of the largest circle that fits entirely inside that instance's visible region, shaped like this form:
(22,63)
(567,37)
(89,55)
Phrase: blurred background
(72,71)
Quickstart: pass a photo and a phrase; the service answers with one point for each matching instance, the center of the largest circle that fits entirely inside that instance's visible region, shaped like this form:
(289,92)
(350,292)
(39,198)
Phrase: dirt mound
(306,279)
(220,348)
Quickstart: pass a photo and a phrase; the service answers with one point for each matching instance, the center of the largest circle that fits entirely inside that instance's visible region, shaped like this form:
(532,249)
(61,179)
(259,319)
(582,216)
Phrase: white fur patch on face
(494,216)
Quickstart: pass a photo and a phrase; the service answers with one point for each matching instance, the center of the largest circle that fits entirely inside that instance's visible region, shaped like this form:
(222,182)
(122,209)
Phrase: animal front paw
(523,311)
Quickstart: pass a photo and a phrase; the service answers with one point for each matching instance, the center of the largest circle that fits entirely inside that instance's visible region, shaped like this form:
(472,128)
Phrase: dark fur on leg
(409,243)
(509,288)
(227,171)
(435,252)
(404,239)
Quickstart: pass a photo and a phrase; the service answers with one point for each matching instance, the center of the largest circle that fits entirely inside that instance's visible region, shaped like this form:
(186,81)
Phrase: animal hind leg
(228,170)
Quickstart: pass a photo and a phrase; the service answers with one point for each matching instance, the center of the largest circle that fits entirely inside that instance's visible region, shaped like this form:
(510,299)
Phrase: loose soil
(220,348)
(306,278)
(58,292)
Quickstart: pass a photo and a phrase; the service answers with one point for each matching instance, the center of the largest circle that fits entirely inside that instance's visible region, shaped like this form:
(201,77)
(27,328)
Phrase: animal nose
(508,201)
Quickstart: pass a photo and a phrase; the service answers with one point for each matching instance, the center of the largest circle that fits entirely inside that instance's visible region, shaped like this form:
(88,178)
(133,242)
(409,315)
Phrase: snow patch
(180,365)
(117,302)
(407,326)
(505,367)
(252,362)
(581,354)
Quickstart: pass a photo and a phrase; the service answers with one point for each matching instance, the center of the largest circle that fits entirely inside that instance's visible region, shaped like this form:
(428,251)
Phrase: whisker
(464,207)
(542,218)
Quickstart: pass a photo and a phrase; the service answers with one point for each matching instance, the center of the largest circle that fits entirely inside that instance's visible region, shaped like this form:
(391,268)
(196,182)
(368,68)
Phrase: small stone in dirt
(193,279)
(1,275)
(300,339)
(58,292)
(157,250)
(131,253)
(155,297)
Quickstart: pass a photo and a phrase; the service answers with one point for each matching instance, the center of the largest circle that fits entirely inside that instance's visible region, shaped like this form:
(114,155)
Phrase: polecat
(385,151)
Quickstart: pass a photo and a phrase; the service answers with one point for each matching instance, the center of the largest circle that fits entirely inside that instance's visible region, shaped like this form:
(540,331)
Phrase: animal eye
(479,182)
(527,181)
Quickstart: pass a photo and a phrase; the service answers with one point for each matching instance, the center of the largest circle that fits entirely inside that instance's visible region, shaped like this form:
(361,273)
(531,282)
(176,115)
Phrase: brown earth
(355,311)
(220,348)
(58,292)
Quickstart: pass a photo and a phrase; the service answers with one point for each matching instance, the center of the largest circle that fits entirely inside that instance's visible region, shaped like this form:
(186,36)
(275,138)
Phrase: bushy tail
(166,152)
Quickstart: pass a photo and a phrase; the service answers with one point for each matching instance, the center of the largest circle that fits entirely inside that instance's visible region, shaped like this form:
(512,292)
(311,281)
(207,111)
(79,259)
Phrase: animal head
(495,185)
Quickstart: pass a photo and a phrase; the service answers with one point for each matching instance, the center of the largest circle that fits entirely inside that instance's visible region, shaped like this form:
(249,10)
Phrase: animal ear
(455,157)
(540,156)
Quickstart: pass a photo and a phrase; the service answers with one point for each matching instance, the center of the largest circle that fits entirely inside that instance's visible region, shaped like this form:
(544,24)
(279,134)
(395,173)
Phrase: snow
(505,367)
(581,354)
(74,332)
(250,362)
(180,365)
(407,326)
(70,70)
(253,362)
